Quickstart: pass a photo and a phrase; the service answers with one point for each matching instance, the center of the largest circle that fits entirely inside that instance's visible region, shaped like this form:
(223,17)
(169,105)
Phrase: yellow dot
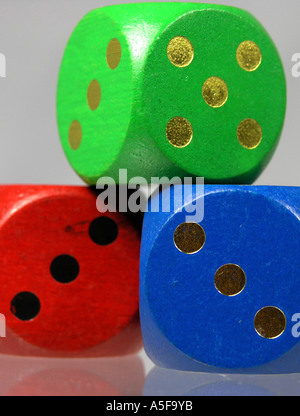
(270,322)
(249,56)
(94,95)
(179,132)
(180,52)
(189,238)
(230,280)
(215,92)
(249,134)
(75,135)
(113,53)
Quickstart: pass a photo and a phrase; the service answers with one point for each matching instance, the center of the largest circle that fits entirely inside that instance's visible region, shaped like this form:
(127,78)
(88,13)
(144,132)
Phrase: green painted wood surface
(145,90)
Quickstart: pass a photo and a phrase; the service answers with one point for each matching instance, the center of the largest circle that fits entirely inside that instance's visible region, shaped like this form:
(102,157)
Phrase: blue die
(224,293)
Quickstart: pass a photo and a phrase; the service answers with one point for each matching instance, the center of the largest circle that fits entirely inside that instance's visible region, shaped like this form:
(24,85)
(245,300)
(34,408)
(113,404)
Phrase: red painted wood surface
(96,314)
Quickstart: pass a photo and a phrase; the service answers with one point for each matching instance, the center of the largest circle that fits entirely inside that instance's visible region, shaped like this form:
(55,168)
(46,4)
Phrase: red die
(69,274)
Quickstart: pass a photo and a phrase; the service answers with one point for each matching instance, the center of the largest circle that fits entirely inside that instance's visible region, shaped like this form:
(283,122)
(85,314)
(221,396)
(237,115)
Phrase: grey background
(33,35)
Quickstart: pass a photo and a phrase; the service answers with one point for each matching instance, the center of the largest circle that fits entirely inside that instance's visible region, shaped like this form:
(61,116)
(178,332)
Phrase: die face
(94,95)
(244,229)
(215,88)
(65,284)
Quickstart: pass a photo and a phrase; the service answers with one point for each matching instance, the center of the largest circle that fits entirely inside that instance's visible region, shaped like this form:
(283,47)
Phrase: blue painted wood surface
(186,323)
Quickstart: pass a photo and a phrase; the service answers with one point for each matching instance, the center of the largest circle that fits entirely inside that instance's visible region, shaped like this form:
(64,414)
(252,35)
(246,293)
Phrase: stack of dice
(163,90)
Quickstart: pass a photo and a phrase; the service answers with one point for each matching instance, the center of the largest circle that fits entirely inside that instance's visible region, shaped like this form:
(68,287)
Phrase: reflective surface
(21,376)
(131,376)
(161,382)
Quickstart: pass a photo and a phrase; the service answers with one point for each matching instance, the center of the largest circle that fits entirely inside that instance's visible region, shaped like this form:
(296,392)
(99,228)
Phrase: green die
(170,89)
